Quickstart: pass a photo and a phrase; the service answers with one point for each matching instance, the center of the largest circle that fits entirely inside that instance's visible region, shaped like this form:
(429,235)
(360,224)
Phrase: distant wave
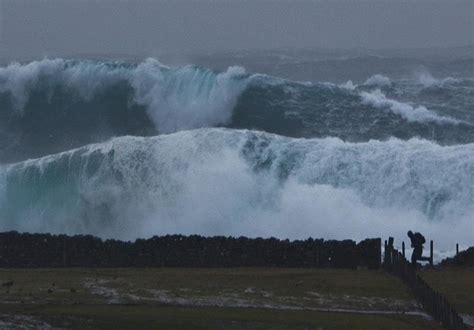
(54,105)
(239,182)
(427,80)
(378,80)
(417,114)
(175,98)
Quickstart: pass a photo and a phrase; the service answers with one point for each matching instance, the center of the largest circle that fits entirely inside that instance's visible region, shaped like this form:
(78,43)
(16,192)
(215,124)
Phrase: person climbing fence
(417,241)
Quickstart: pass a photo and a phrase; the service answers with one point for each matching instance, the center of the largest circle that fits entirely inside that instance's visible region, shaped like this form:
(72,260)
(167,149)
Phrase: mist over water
(134,149)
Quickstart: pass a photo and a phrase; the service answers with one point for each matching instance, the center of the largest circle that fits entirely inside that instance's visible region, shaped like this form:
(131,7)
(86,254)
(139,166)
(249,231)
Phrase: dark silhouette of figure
(417,241)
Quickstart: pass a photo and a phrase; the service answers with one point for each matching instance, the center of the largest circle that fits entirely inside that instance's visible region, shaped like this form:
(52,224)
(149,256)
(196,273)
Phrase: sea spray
(230,182)
(187,97)
(382,154)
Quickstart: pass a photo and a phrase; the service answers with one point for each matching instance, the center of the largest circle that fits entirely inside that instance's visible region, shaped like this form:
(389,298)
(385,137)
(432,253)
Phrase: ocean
(286,144)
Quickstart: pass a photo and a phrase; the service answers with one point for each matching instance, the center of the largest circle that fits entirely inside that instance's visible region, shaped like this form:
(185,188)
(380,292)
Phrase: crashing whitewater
(184,150)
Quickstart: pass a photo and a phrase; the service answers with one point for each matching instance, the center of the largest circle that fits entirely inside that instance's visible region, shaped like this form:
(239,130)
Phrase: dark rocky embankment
(46,250)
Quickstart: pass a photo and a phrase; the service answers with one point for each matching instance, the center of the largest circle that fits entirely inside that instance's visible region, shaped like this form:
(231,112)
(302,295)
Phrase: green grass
(280,281)
(172,317)
(456,284)
(207,298)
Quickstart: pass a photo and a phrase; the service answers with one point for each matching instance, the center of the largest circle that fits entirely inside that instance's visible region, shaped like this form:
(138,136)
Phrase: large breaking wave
(123,150)
(239,182)
(54,105)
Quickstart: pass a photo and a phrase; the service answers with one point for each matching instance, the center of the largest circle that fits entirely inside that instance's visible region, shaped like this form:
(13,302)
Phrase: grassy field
(456,284)
(206,298)
(176,317)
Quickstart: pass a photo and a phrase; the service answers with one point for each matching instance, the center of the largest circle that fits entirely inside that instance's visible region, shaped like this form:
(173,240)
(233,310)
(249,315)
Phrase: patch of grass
(172,317)
(130,297)
(295,282)
(456,284)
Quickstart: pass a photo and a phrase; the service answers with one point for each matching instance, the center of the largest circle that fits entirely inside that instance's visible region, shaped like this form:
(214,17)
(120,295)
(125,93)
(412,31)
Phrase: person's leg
(413,257)
(417,251)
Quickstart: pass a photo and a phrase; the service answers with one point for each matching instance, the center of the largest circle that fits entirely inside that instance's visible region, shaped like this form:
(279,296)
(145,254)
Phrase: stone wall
(46,250)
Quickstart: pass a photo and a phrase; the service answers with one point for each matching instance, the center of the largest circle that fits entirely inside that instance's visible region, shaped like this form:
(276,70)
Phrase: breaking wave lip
(190,97)
(239,182)
(420,114)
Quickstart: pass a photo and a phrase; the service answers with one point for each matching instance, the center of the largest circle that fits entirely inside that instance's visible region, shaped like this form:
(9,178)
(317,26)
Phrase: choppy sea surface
(285,144)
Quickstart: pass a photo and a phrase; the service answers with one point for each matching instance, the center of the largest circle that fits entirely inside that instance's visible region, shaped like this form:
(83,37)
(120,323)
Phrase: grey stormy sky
(54,27)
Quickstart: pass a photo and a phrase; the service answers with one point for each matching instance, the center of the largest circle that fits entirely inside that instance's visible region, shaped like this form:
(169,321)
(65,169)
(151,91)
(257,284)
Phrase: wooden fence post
(434,303)
(457,254)
(64,252)
(431,252)
(390,242)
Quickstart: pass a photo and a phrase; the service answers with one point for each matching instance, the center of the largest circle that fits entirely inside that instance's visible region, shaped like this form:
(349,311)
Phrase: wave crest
(218,181)
(187,97)
(378,80)
(417,114)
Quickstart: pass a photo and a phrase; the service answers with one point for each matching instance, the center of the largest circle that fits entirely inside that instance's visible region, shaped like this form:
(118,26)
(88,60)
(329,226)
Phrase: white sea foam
(187,97)
(19,79)
(227,182)
(348,85)
(427,80)
(378,80)
(84,79)
(407,111)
